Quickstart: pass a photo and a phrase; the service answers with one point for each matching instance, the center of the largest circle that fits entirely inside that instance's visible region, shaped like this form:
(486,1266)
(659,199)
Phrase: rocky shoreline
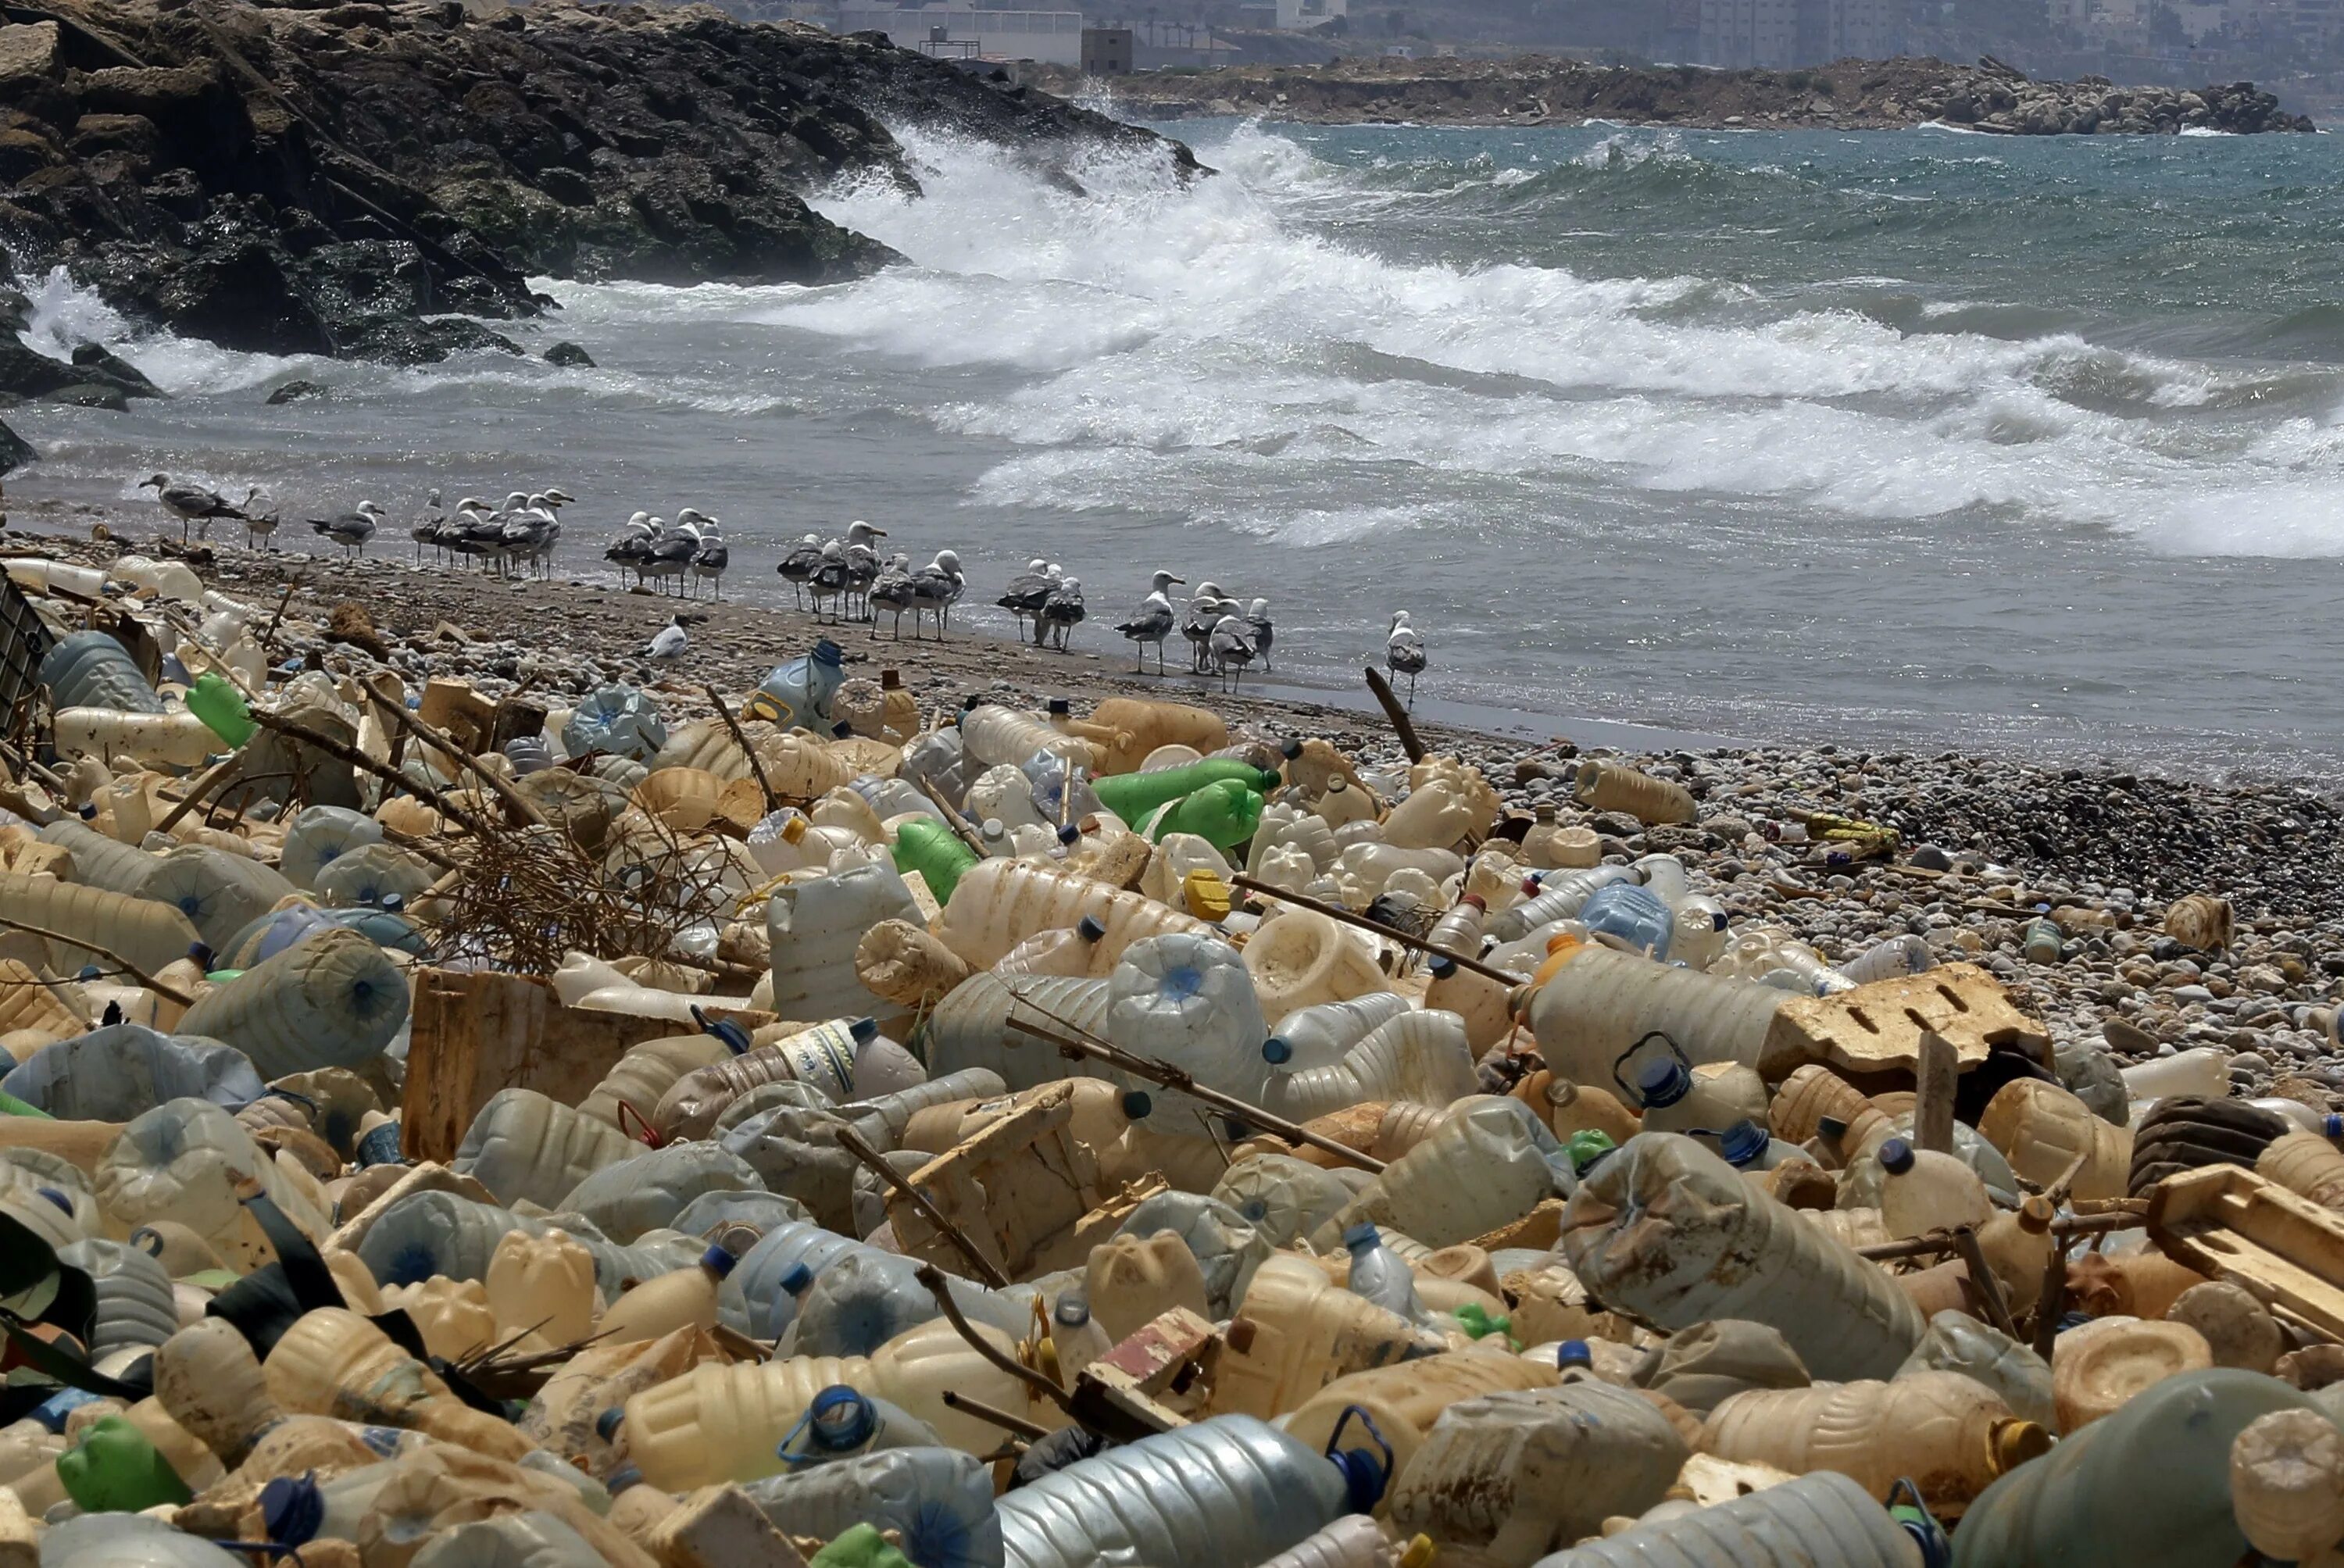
(373,181)
(1983,842)
(1847,94)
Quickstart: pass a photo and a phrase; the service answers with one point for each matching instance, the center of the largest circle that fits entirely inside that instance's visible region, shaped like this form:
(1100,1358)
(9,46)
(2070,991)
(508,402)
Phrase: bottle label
(821,1059)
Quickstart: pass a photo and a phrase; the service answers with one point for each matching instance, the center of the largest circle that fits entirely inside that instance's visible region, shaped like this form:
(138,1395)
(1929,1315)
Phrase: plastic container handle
(1364,1478)
(1621,1060)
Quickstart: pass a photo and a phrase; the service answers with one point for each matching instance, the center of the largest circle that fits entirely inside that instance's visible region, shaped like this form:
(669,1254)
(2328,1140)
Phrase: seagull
(194,503)
(892,590)
(1023,596)
(1231,646)
(1061,613)
(668,646)
(352,528)
(829,580)
(713,555)
(1205,611)
(862,565)
(635,542)
(259,525)
(1153,621)
(798,566)
(935,588)
(1264,633)
(428,530)
(1404,652)
(528,534)
(671,553)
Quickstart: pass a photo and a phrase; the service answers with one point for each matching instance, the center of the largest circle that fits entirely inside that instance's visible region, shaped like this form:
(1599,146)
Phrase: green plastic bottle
(1223,814)
(1132,796)
(10,1106)
(861,1547)
(221,708)
(1586,1147)
(927,846)
(114,1469)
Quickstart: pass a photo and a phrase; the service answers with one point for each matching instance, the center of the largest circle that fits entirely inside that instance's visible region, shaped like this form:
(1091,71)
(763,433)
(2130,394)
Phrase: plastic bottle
(683,1300)
(1319,1034)
(1731,1252)
(1890,958)
(526,1146)
(1130,1280)
(1615,786)
(1596,1005)
(1076,1338)
(1957,1343)
(1950,1434)
(1283,826)
(1554,895)
(938,1502)
(998,904)
(1821,1520)
(1068,954)
(1484,1166)
(1515,1475)
(994,736)
(759,1297)
(332,1001)
(2100,1366)
(117,1073)
(543,1284)
(1223,1490)
(135,1307)
(1380,1276)
(1419,1055)
(91,670)
(1403,1401)
(887,1120)
(1223,813)
(1670,1095)
(1303,960)
(2041,1128)
(1134,796)
(1125,729)
(1485,1005)
(1923,1190)
(1341,803)
(331,1361)
(2017,1248)
(1443,810)
(1294,1331)
(1550,845)
(798,695)
(1187,999)
(1356,1540)
(2287,1485)
(2149,1484)
(2200,1070)
(926,846)
(177,740)
(2301,1162)
(185,1161)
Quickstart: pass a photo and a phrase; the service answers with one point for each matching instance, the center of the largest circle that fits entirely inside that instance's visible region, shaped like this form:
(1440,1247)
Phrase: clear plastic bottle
(993,736)
(1076,1336)
(1486,1006)
(1633,914)
(1890,958)
(1413,1055)
(1065,951)
(1613,787)
(2199,1070)
(1380,1275)
(685,1299)
(1554,895)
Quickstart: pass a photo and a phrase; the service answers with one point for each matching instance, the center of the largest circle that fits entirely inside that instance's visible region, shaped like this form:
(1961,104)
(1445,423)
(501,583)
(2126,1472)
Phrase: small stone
(568,356)
(294,391)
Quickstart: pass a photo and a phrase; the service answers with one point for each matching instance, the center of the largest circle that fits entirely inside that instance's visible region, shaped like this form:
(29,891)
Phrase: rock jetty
(1856,94)
(367,180)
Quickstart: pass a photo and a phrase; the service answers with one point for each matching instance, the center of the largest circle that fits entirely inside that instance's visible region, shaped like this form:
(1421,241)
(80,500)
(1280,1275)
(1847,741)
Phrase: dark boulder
(15,451)
(568,356)
(116,370)
(293,392)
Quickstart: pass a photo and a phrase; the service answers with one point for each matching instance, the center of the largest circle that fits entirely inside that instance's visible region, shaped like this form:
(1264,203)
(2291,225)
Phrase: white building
(1303,16)
(959,32)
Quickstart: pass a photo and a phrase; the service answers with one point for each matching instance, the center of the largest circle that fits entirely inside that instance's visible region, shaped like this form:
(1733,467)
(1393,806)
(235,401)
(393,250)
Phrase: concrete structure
(959,32)
(1305,16)
(1107,51)
(1781,33)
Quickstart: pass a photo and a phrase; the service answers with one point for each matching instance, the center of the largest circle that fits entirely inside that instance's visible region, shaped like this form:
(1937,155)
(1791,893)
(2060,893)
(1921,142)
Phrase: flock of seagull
(841,579)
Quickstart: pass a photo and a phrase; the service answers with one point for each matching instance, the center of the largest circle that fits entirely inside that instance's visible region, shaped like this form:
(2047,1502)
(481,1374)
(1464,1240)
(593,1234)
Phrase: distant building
(1107,51)
(1305,16)
(1782,33)
(959,32)
(1739,34)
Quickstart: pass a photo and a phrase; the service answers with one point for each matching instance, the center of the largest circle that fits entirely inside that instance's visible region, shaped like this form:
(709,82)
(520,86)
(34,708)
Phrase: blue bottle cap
(88,811)
(1361,1235)
(1442,966)
(1573,1353)
(1277,1051)
(1090,927)
(718,1261)
(1137,1105)
(380,1147)
(1071,835)
(391,903)
(829,653)
(1059,705)
(606,1425)
(1743,1142)
(51,1412)
(2333,1125)
(292,1508)
(864,1030)
(841,1419)
(796,1280)
(1896,1157)
(1663,1082)
(88,972)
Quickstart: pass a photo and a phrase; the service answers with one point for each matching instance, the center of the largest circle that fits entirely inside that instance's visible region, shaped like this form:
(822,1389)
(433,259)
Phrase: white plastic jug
(814,927)
(1302,959)
(1419,1055)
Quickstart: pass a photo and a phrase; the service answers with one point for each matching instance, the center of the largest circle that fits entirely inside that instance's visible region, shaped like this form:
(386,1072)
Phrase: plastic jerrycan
(2096,1367)
(332,1361)
(1187,998)
(1518,1474)
(797,694)
(1302,959)
(1668,1229)
(1671,1094)
(1131,1281)
(2149,1484)
(2041,1127)
(1599,1004)
(1821,1520)
(1950,1434)
(1815,1092)
(646,1072)
(1404,1401)
(1957,1343)
(1439,813)
(1296,1332)
(1229,1490)
(814,927)
(1922,1191)
(1485,1005)
(1482,1168)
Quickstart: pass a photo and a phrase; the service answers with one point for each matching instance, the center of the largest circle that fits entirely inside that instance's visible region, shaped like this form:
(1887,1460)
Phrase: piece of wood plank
(1934,1087)
(474,1034)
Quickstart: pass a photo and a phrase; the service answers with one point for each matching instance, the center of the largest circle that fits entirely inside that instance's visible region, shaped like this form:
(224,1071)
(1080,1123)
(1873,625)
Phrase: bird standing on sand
(1264,633)
(1153,622)
(1061,613)
(892,590)
(937,588)
(1024,595)
(1205,613)
(194,503)
(671,553)
(862,567)
(798,565)
(709,562)
(352,528)
(1231,647)
(829,580)
(258,527)
(669,644)
(1404,652)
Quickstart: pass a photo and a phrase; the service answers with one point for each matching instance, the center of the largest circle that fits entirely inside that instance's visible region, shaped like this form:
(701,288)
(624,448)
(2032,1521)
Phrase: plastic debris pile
(447,1132)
